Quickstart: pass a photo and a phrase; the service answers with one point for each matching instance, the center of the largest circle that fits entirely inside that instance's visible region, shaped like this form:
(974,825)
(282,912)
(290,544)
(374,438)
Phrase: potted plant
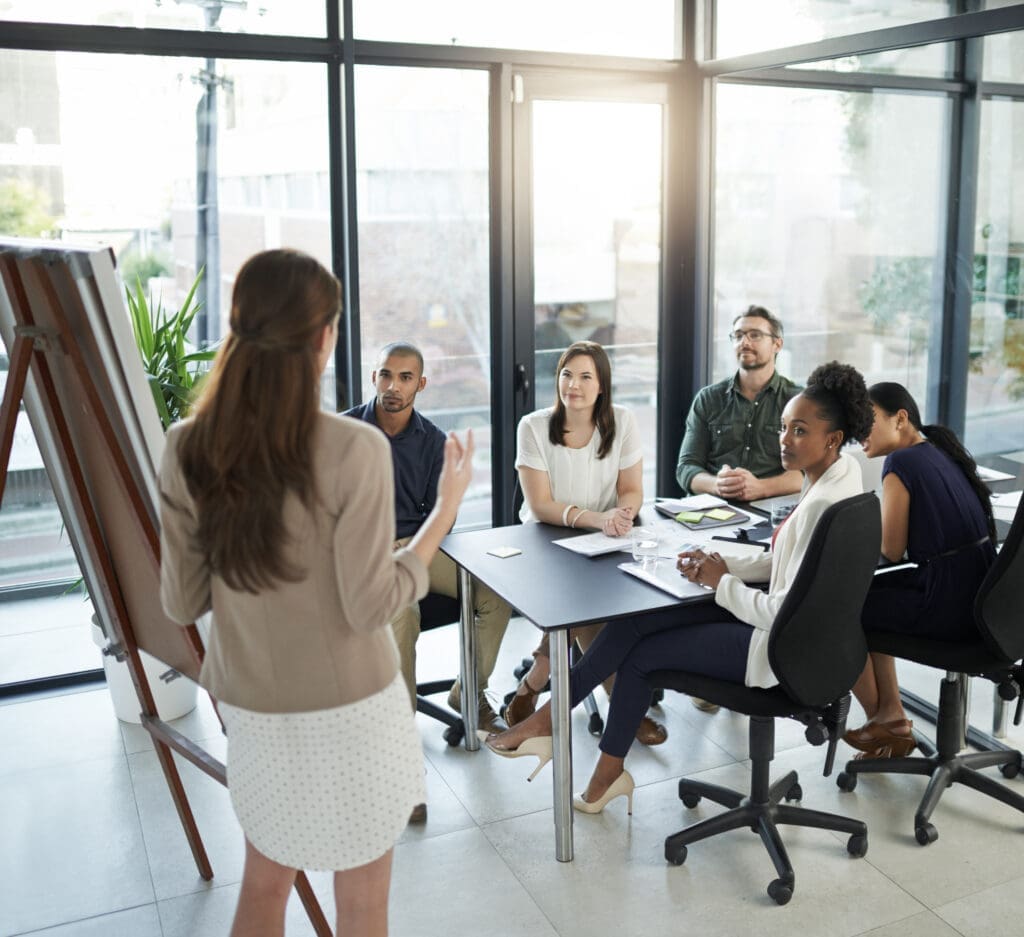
(172,365)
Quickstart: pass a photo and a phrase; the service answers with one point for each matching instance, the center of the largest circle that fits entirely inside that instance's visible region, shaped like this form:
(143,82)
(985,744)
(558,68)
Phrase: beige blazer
(325,640)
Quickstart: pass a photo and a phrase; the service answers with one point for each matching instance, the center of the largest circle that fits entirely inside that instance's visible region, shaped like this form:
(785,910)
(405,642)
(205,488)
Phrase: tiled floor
(90,845)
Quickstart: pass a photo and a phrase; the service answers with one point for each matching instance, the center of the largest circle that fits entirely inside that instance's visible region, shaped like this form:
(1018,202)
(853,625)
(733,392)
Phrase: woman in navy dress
(937,513)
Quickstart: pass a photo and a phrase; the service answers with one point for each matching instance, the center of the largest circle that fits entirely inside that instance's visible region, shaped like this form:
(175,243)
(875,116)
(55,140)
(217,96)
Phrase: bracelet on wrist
(580,514)
(565,514)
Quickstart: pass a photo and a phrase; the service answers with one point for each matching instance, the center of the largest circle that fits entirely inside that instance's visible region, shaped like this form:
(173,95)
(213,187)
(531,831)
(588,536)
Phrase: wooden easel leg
(312,906)
(188,821)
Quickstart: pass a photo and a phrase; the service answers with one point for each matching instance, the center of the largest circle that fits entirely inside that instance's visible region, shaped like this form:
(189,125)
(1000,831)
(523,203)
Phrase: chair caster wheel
(796,792)
(846,782)
(453,735)
(1011,770)
(780,892)
(596,725)
(675,854)
(925,834)
(857,845)
(690,799)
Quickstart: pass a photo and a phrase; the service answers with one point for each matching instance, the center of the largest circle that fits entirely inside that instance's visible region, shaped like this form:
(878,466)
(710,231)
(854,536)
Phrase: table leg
(999,708)
(467,660)
(561,737)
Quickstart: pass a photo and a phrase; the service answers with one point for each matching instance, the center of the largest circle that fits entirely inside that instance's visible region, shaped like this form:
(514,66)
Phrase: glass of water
(645,546)
(780,511)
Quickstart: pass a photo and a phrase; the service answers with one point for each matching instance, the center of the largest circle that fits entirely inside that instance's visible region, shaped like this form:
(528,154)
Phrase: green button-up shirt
(724,428)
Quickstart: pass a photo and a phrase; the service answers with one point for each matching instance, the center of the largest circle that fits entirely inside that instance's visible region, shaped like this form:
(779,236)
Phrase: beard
(753,365)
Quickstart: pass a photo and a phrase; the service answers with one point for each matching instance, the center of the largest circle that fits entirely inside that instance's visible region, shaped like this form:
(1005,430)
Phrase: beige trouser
(492,615)
(584,636)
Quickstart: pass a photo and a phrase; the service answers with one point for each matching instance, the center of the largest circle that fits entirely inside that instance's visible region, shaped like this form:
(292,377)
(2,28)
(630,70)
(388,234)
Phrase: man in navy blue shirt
(417,453)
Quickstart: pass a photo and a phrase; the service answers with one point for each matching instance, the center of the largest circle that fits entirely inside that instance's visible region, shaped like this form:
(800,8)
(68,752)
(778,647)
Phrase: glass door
(588,223)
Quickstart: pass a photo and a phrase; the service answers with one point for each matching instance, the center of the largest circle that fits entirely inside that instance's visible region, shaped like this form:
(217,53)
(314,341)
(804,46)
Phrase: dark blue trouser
(703,639)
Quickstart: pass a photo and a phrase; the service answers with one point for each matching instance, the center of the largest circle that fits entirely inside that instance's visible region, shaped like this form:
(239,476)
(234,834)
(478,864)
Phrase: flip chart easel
(74,364)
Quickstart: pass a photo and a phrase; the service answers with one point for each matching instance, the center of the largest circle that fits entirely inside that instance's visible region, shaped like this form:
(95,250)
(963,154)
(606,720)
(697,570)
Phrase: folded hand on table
(705,569)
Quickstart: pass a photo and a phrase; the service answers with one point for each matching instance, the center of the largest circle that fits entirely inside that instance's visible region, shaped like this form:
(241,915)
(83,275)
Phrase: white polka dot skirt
(330,789)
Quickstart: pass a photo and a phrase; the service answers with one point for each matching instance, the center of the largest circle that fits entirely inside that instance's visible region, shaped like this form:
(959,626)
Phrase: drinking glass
(645,546)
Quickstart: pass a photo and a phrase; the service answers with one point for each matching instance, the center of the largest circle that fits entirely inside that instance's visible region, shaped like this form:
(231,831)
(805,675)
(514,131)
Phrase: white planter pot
(173,700)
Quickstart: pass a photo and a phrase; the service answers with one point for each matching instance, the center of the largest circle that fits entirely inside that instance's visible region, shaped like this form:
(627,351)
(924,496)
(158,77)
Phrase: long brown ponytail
(250,441)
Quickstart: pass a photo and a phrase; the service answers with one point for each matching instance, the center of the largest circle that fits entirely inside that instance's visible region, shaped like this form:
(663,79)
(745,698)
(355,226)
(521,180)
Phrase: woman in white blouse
(727,640)
(580,465)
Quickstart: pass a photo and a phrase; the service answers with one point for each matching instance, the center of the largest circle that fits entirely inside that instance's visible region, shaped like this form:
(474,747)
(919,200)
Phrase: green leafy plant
(172,365)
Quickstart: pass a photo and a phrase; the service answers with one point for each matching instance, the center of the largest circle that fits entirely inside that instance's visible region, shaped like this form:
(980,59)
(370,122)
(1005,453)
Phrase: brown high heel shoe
(650,732)
(872,737)
(896,746)
(522,704)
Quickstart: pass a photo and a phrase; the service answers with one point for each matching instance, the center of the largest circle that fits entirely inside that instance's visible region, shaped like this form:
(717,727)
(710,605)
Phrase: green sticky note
(689,517)
(720,514)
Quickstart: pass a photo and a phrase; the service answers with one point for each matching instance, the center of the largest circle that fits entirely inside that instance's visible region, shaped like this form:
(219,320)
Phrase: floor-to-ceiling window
(829,197)
(829,209)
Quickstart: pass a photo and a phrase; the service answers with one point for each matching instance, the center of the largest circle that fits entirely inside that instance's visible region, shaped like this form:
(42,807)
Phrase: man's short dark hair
(403,350)
(759,312)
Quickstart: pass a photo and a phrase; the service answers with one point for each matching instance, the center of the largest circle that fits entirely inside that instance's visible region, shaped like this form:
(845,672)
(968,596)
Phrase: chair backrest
(437,610)
(999,606)
(817,647)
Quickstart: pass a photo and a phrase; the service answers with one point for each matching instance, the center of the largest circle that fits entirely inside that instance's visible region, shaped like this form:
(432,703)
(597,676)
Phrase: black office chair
(817,650)
(436,611)
(996,655)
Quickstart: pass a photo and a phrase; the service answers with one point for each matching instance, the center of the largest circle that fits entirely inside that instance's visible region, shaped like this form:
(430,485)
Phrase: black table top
(554,587)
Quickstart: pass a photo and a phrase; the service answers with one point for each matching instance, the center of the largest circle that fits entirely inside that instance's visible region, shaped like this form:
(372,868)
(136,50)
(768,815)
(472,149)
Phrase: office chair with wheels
(436,611)
(996,655)
(817,651)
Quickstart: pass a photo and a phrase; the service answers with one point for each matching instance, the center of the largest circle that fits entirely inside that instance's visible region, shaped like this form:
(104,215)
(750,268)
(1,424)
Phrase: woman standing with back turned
(280,518)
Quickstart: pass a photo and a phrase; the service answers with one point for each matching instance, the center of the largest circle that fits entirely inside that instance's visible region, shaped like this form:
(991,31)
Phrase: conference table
(557,589)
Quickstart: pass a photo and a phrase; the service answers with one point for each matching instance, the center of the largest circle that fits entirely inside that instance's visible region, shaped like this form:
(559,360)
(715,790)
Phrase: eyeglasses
(755,335)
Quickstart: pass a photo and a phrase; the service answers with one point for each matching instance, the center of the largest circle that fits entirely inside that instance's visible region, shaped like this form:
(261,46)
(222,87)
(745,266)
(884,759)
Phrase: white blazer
(779,567)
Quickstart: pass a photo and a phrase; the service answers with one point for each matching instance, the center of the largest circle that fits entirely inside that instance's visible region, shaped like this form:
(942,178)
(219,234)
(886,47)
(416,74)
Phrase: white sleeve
(626,430)
(530,449)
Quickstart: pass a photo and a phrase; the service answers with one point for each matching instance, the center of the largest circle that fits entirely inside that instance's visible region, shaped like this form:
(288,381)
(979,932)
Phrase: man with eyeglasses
(731,445)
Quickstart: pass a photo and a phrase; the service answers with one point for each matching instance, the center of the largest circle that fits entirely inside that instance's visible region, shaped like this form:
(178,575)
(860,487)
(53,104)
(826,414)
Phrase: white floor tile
(458,884)
(71,845)
(992,911)
(58,731)
(143,921)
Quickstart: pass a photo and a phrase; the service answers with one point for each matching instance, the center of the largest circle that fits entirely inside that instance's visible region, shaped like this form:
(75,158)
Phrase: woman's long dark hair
(892,397)
(250,441)
(604,415)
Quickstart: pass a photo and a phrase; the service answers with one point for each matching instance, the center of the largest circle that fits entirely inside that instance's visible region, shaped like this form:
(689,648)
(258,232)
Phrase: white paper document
(695,503)
(992,475)
(594,544)
(1004,505)
(667,578)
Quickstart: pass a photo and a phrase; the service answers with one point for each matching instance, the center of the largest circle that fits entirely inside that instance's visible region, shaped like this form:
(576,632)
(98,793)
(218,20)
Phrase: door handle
(522,382)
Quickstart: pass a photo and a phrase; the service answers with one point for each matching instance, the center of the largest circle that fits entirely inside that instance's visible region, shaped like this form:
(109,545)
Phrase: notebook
(717,514)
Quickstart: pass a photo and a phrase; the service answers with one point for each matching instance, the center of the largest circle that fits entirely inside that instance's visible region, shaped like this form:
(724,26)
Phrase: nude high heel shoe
(622,786)
(539,746)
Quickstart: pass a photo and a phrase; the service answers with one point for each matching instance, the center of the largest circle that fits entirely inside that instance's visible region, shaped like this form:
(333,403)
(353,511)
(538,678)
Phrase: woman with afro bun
(727,640)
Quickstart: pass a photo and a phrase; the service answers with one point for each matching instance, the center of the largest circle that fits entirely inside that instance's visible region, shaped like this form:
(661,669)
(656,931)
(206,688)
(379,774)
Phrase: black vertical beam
(344,232)
(947,366)
(502,295)
(685,314)
(524,372)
